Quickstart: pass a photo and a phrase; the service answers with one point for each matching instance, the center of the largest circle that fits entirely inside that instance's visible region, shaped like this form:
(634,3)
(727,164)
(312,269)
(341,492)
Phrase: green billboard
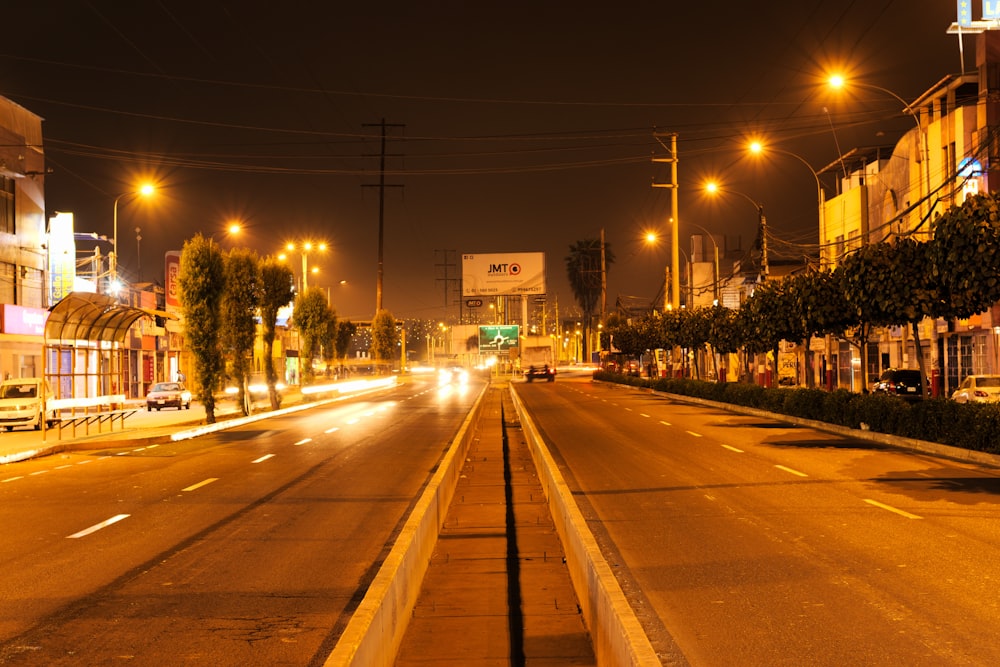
(497,337)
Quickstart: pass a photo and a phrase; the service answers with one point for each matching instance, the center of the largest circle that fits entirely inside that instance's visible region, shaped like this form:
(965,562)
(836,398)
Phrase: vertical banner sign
(965,13)
(991,9)
(171,271)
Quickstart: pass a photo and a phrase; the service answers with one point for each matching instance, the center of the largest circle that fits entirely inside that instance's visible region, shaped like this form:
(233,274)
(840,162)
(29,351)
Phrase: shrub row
(974,426)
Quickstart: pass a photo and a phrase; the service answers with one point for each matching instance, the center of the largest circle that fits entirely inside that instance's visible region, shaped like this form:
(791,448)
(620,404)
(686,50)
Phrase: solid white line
(892,509)
(201,484)
(96,527)
(666,423)
(332,430)
(263,458)
(733,449)
(303,441)
(791,470)
(697,435)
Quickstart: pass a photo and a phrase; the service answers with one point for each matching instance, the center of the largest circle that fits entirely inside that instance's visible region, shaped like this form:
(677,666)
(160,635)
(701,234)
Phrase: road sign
(473,303)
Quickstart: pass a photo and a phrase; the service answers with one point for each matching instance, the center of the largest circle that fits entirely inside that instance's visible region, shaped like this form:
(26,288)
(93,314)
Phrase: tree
(277,291)
(384,336)
(202,281)
(345,332)
(311,316)
(328,340)
(583,267)
(240,302)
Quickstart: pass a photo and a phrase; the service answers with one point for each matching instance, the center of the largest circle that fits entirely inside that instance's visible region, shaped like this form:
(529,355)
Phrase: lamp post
(304,249)
(837,82)
(757,148)
(761,223)
(145,190)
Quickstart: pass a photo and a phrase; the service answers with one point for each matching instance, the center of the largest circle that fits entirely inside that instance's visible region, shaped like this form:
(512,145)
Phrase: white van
(21,403)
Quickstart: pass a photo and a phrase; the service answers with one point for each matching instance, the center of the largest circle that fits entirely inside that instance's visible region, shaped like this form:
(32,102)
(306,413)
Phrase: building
(887,191)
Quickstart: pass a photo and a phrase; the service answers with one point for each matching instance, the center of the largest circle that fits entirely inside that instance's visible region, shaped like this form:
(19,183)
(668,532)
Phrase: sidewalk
(497,591)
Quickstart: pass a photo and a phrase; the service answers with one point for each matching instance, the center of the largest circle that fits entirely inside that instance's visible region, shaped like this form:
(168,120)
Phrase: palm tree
(586,273)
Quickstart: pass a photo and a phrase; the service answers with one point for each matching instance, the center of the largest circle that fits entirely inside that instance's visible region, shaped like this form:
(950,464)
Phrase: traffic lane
(223,487)
(717,536)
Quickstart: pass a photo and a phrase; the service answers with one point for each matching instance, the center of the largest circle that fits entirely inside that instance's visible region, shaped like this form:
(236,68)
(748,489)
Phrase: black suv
(900,382)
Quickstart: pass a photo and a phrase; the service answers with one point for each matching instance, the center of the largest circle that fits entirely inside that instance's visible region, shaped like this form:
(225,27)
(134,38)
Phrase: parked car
(168,395)
(546,372)
(21,403)
(901,382)
(978,389)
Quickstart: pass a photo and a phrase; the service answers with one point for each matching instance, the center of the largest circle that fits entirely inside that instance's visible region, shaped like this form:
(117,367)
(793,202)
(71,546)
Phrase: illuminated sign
(23,320)
(171,272)
(991,9)
(503,274)
(498,337)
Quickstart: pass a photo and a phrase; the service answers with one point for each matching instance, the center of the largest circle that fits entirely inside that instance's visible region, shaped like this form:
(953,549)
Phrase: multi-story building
(901,189)
(23,255)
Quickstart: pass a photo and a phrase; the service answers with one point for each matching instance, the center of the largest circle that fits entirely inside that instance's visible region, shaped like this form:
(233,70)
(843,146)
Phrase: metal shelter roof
(90,316)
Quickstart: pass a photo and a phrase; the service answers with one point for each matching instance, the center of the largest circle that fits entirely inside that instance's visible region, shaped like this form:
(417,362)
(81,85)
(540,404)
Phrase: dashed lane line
(890,508)
(263,458)
(733,449)
(303,441)
(200,484)
(791,470)
(97,526)
(697,435)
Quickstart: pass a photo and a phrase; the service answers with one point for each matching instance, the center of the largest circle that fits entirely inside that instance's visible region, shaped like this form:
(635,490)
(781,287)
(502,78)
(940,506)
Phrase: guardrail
(87,412)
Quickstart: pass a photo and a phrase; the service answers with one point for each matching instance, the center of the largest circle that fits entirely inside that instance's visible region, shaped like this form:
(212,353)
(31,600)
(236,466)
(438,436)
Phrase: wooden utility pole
(382,185)
(675,259)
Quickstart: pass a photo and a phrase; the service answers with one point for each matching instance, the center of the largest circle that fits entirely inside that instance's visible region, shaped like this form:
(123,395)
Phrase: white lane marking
(332,430)
(892,509)
(697,435)
(139,449)
(733,449)
(63,467)
(151,446)
(201,484)
(643,414)
(11,479)
(263,458)
(666,423)
(303,441)
(38,472)
(791,470)
(352,421)
(97,526)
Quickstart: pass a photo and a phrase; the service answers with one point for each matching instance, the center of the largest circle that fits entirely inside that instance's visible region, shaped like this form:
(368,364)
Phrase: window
(7,205)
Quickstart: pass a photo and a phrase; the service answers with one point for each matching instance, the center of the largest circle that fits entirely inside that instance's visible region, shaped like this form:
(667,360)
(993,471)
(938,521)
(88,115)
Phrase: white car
(21,402)
(978,389)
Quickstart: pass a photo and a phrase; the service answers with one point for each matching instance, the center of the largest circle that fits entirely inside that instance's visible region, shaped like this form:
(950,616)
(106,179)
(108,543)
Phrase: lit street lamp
(145,190)
(304,249)
(761,223)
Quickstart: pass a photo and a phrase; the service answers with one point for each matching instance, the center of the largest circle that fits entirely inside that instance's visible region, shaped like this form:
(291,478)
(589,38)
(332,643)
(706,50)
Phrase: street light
(145,190)
(757,148)
(304,249)
(837,82)
(713,188)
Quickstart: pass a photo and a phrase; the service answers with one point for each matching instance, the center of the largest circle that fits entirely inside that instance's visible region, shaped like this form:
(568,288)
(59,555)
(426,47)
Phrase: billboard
(503,274)
(498,337)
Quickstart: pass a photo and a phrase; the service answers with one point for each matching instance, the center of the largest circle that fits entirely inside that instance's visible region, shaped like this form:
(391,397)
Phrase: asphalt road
(247,546)
(745,541)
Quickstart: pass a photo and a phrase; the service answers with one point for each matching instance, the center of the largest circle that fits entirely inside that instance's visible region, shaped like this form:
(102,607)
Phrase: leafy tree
(202,282)
(328,340)
(965,244)
(583,267)
(311,316)
(277,291)
(345,332)
(240,302)
(384,336)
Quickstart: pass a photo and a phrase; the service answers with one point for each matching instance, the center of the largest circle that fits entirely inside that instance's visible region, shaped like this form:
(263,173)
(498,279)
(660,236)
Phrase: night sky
(514,126)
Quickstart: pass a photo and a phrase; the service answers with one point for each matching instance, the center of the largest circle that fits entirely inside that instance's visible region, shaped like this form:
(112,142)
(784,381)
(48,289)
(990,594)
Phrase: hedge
(974,426)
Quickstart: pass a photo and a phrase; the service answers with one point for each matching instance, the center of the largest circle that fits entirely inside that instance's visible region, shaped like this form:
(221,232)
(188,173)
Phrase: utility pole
(448,262)
(382,185)
(675,258)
